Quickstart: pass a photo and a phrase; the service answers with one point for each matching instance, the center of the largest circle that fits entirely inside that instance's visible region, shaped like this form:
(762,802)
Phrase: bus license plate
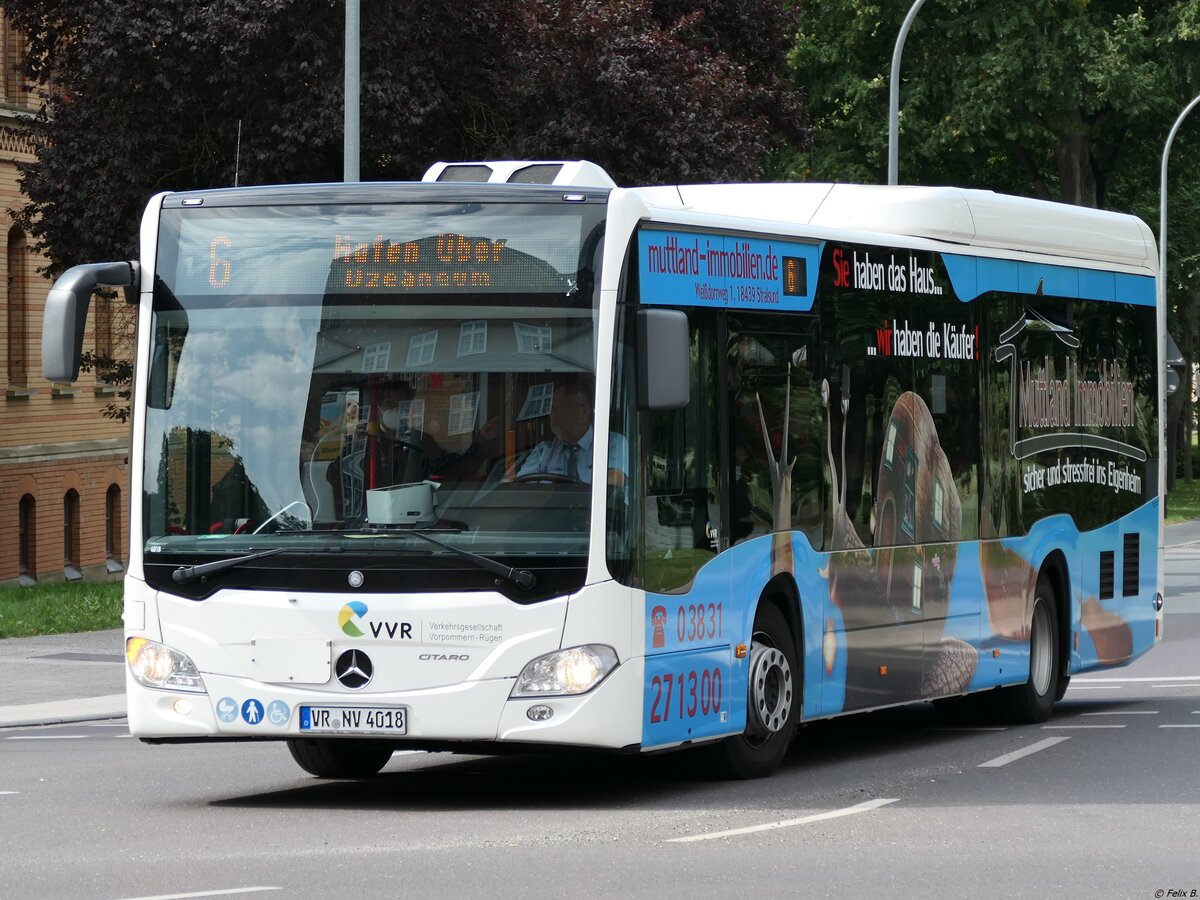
(354,719)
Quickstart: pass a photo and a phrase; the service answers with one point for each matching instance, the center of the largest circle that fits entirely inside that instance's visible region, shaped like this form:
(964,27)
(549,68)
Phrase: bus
(514,457)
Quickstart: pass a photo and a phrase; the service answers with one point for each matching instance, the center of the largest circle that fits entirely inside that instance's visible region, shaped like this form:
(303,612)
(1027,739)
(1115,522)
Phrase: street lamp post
(1161,283)
(350,142)
(894,96)
(1162,209)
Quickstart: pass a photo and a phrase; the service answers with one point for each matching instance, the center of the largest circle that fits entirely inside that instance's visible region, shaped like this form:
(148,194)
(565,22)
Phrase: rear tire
(773,702)
(340,757)
(1032,702)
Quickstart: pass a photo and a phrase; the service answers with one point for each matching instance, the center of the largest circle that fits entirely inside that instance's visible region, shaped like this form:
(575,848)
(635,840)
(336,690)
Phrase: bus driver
(569,452)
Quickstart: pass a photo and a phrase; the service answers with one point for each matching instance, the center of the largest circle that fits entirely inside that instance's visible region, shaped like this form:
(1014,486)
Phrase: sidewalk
(62,678)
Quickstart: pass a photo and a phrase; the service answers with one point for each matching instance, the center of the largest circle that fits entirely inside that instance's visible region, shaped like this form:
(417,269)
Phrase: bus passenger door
(691,688)
(775,470)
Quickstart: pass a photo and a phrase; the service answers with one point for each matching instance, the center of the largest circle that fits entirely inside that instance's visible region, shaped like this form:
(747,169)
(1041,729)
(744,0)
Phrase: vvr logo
(352,616)
(349,617)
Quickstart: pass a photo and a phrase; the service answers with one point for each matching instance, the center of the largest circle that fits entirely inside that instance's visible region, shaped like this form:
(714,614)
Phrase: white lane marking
(1179,726)
(407,752)
(1127,712)
(10,792)
(1193,686)
(969,728)
(1023,752)
(1081,727)
(221,893)
(787,823)
(46,737)
(1095,687)
(1075,681)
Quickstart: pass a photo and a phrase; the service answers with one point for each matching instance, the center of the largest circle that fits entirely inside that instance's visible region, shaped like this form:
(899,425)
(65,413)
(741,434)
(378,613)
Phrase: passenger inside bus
(407,453)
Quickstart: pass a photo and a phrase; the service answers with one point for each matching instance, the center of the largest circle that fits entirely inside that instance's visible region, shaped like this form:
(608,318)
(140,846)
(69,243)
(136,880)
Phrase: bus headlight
(575,670)
(158,666)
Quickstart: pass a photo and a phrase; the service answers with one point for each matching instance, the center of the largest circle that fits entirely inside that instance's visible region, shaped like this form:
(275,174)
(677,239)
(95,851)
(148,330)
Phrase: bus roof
(970,218)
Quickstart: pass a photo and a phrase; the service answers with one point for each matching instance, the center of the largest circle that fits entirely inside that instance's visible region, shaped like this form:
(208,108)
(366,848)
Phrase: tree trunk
(1076,174)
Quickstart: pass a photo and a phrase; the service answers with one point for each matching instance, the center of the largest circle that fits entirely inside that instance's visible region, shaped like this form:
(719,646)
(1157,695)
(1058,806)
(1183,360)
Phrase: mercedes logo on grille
(354,669)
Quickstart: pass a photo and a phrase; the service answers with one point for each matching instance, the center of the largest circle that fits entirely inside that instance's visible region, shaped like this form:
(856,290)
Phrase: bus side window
(770,376)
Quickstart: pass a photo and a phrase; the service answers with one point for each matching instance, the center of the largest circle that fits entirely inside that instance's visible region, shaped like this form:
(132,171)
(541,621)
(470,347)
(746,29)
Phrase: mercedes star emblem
(354,669)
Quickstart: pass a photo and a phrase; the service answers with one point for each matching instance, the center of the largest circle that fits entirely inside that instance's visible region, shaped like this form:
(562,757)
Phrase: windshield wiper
(522,578)
(186,574)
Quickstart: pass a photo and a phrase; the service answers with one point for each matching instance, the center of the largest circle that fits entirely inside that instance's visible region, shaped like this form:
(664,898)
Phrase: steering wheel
(545,478)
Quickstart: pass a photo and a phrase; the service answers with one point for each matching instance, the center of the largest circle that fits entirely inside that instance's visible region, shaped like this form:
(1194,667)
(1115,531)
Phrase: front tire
(773,701)
(340,757)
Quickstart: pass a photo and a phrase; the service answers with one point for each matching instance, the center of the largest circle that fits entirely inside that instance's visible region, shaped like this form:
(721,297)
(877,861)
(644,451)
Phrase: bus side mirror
(664,359)
(66,314)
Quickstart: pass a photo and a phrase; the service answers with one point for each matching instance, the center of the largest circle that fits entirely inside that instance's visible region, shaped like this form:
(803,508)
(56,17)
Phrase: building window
(112,529)
(376,356)
(18,362)
(463,409)
(533,338)
(15,91)
(537,402)
(27,540)
(103,307)
(71,535)
(421,348)
(472,338)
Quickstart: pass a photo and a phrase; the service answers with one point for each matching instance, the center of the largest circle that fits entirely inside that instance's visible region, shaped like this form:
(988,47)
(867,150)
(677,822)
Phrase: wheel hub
(771,689)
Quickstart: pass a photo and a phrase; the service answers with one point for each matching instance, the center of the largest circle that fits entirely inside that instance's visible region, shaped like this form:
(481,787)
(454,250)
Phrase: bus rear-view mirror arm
(664,359)
(66,313)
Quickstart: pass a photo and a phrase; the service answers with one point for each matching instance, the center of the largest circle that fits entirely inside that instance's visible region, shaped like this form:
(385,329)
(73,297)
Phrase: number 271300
(685,695)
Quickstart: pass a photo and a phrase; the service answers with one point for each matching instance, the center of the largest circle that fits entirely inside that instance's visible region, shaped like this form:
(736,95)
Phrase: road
(1102,801)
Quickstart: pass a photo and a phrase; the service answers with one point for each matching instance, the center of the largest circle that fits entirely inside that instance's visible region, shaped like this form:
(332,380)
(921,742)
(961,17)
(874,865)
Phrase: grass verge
(1183,502)
(59,608)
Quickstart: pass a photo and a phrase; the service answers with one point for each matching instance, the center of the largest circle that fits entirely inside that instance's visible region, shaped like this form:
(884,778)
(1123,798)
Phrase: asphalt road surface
(1102,801)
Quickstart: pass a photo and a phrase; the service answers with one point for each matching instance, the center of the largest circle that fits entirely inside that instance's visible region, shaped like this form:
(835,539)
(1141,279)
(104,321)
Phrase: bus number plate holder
(354,720)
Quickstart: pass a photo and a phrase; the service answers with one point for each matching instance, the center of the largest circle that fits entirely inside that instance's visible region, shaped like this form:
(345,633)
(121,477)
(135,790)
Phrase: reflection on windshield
(298,419)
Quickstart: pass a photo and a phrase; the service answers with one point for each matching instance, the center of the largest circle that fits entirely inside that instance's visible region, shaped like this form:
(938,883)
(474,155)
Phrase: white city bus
(514,456)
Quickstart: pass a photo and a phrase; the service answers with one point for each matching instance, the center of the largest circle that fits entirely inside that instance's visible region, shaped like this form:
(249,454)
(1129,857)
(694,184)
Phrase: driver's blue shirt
(553,457)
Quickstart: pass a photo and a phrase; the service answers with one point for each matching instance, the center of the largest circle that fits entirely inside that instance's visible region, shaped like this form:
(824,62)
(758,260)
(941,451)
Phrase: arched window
(71,535)
(27,540)
(18,313)
(112,529)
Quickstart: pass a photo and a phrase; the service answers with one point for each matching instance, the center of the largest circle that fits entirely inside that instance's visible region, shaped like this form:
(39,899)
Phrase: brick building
(64,470)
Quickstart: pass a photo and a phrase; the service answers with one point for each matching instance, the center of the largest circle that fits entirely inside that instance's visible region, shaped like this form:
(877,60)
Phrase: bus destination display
(250,254)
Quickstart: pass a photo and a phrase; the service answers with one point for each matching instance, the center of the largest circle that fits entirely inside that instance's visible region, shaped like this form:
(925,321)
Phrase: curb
(84,709)
(60,720)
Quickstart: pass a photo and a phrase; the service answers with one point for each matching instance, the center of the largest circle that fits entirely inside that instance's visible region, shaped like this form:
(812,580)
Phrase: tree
(1065,100)
(170,94)
(655,93)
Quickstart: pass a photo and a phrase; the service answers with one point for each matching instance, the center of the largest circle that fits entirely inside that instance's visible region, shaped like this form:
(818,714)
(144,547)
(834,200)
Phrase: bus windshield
(314,388)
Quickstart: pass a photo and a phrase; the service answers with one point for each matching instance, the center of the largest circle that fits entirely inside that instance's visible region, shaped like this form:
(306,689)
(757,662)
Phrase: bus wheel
(340,757)
(772,703)
(1032,701)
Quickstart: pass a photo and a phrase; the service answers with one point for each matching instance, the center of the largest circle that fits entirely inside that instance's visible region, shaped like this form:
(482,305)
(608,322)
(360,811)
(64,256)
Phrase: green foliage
(1183,502)
(160,95)
(60,608)
(1062,99)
